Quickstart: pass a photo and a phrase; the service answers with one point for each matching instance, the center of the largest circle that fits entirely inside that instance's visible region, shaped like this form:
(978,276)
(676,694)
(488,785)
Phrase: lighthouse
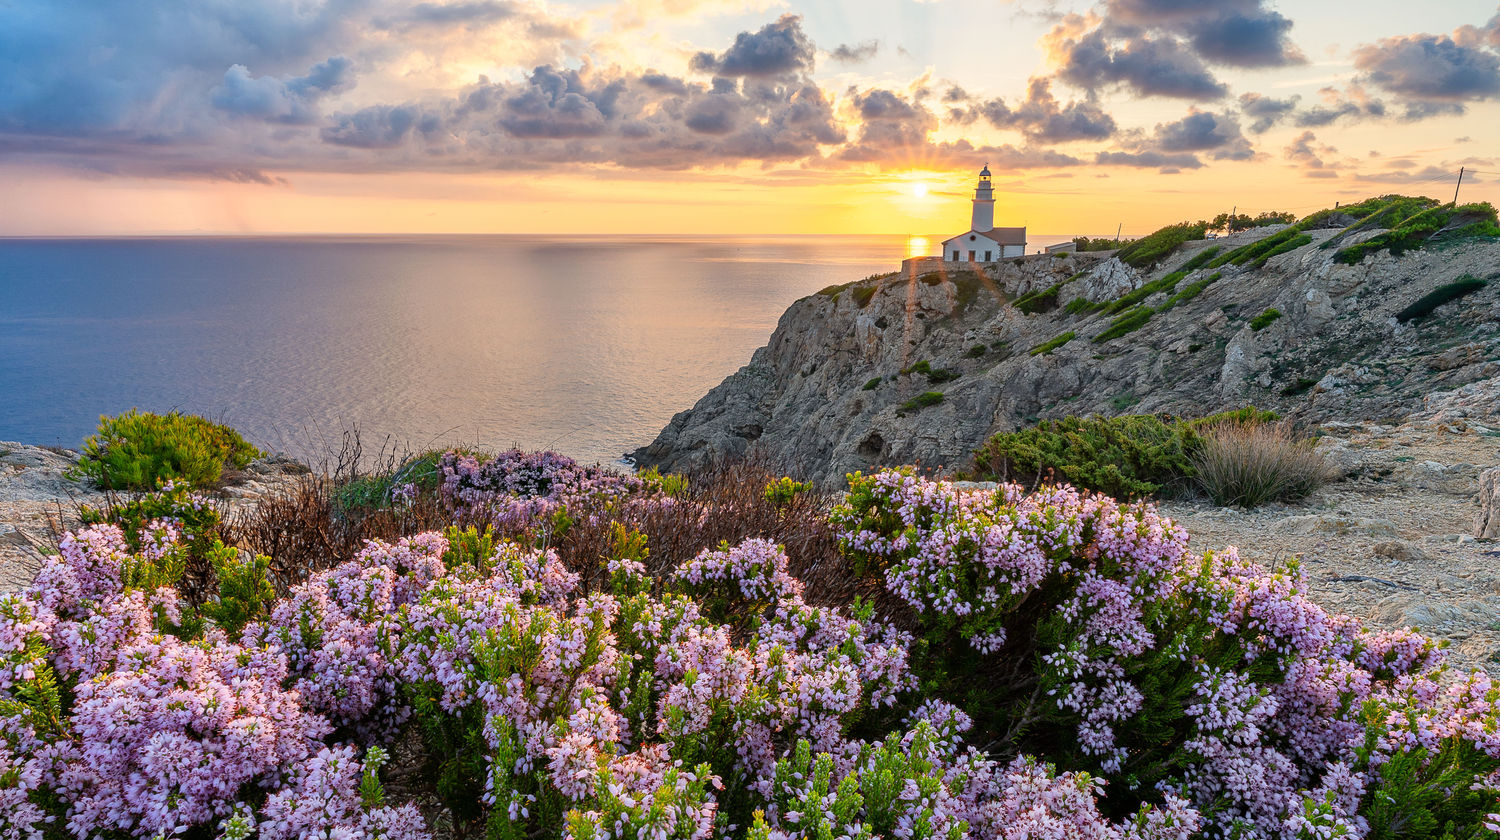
(984,203)
(983,242)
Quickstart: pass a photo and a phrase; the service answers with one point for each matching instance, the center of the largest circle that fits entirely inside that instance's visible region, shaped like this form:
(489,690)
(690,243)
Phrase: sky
(730,116)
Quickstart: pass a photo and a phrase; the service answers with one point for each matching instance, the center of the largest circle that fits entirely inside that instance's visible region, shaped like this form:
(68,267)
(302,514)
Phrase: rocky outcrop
(840,385)
(1487,525)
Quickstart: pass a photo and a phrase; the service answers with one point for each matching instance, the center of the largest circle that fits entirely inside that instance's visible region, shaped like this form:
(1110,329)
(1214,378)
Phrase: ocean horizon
(585,345)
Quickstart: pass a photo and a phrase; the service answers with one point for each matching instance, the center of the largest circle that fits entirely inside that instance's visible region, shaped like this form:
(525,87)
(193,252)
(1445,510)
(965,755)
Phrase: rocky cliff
(921,369)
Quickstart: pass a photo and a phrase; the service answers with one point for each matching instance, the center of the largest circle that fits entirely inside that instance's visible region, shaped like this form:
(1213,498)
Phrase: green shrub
(1290,244)
(1439,224)
(934,375)
(1124,401)
(140,451)
(921,401)
(1053,344)
(1059,255)
(1081,306)
(1264,319)
(862,295)
(871,384)
(976,352)
(1423,306)
(245,590)
(1042,300)
(1126,323)
(1157,246)
(1101,244)
(1190,291)
(1127,456)
(785,490)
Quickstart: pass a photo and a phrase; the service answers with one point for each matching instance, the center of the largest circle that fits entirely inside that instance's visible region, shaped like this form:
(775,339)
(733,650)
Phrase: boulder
(1487,525)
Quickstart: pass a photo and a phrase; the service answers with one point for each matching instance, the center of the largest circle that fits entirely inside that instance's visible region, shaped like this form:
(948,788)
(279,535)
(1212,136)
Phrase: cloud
(778,49)
(855,53)
(471,15)
(1264,111)
(1042,120)
(1235,33)
(1204,131)
(1149,66)
(1155,159)
(1307,151)
(292,101)
(1418,68)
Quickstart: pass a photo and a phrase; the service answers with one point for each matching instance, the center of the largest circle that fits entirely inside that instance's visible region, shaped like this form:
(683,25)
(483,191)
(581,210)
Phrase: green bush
(1053,344)
(976,352)
(1264,319)
(140,451)
(1080,306)
(1439,224)
(1126,323)
(1465,285)
(376,491)
(921,401)
(1128,456)
(1157,246)
(1101,244)
(862,295)
(871,384)
(1190,291)
(934,375)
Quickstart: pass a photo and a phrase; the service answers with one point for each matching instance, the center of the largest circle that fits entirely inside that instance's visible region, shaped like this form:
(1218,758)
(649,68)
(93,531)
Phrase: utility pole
(1117,231)
(1459,184)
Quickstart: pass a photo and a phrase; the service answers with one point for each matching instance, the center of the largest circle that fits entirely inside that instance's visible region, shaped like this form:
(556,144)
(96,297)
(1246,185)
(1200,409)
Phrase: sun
(918,189)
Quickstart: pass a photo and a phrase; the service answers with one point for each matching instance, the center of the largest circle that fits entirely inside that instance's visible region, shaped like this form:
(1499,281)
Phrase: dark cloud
(1042,120)
(778,49)
(855,53)
(1160,160)
(1204,131)
(1236,33)
(381,126)
(1428,69)
(1148,66)
(1264,111)
(1351,103)
(479,13)
(292,101)
(894,133)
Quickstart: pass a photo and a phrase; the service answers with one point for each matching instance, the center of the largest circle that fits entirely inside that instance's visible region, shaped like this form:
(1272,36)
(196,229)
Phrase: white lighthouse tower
(984,203)
(983,242)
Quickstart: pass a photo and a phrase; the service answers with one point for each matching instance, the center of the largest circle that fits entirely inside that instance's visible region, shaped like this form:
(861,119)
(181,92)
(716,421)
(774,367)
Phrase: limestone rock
(1487,524)
(801,402)
(1108,281)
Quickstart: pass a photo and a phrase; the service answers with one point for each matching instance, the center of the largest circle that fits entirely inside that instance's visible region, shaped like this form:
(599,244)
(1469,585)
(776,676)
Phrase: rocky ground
(1392,540)
(39,502)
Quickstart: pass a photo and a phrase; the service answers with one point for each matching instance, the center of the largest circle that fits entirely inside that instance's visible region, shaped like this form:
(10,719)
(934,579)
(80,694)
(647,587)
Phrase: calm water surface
(586,345)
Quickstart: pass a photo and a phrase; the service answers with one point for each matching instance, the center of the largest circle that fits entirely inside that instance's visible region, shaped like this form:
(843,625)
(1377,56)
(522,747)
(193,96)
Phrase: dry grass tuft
(1249,464)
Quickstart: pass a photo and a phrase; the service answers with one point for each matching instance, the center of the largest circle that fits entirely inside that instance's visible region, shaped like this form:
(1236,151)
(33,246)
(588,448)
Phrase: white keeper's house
(984,242)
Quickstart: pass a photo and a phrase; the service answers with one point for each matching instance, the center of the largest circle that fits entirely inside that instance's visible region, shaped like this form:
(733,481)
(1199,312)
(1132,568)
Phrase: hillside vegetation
(1356,311)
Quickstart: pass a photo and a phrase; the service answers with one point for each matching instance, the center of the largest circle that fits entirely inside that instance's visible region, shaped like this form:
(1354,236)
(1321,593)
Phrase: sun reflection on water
(918,246)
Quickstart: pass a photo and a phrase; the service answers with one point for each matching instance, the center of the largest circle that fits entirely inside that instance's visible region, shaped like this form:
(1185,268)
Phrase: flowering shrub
(1032,666)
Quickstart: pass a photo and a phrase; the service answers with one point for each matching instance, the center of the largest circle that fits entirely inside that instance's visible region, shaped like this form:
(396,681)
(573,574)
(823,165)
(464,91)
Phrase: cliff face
(840,385)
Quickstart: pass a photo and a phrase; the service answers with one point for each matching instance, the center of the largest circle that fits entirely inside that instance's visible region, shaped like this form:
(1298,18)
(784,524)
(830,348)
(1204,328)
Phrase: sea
(584,345)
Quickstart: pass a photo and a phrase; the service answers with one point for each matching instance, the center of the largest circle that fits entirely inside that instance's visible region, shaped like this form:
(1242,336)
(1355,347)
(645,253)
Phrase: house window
(971,256)
(987,256)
